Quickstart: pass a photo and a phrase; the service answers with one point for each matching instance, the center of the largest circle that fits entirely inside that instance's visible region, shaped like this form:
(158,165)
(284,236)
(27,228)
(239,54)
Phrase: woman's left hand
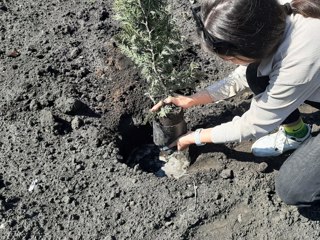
(184,141)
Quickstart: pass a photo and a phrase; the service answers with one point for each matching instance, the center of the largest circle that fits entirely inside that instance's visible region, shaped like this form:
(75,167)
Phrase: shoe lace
(280,140)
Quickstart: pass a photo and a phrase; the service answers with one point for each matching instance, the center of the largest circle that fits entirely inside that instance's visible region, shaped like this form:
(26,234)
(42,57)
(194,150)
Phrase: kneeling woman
(278,49)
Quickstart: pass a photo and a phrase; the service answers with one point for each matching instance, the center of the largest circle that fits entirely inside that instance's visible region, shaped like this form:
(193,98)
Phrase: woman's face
(239,60)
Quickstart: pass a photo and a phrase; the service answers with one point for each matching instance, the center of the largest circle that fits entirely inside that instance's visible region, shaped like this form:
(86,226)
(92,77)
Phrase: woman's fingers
(157,106)
(183,142)
(178,100)
(173,144)
(161,103)
(169,100)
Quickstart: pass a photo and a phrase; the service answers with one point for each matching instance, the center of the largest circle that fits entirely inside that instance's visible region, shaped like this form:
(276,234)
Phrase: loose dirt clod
(176,164)
(262,167)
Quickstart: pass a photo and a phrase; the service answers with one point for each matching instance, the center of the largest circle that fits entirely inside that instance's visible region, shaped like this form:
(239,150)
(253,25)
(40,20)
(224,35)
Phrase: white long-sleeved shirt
(294,72)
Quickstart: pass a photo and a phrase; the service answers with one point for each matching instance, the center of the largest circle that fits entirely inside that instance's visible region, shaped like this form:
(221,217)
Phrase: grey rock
(76,123)
(226,174)
(47,120)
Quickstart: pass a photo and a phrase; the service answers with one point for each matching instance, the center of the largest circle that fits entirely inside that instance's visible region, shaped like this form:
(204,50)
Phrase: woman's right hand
(179,100)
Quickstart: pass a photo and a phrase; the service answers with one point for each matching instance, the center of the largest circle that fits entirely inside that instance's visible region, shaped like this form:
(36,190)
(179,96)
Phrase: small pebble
(101,98)
(14,54)
(167,224)
(217,196)
(66,199)
(34,105)
(75,53)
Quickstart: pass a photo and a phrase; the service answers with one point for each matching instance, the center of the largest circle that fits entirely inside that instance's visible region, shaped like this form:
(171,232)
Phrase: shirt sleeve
(289,87)
(229,86)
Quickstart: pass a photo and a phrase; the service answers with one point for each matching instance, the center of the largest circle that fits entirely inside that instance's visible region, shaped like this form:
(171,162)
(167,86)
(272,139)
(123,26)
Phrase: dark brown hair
(307,8)
(249,28)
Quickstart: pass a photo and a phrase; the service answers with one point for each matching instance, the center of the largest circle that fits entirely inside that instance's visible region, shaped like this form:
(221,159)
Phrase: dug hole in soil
(71,114)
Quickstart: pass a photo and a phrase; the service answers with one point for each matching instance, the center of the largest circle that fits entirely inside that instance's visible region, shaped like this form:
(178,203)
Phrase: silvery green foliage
(150,38)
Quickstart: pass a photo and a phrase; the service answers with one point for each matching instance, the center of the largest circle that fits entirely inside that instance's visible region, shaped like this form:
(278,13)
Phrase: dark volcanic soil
(71,110)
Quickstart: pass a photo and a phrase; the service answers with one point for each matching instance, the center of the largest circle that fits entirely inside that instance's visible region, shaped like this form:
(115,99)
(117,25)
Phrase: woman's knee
(296,183)
(286,190)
